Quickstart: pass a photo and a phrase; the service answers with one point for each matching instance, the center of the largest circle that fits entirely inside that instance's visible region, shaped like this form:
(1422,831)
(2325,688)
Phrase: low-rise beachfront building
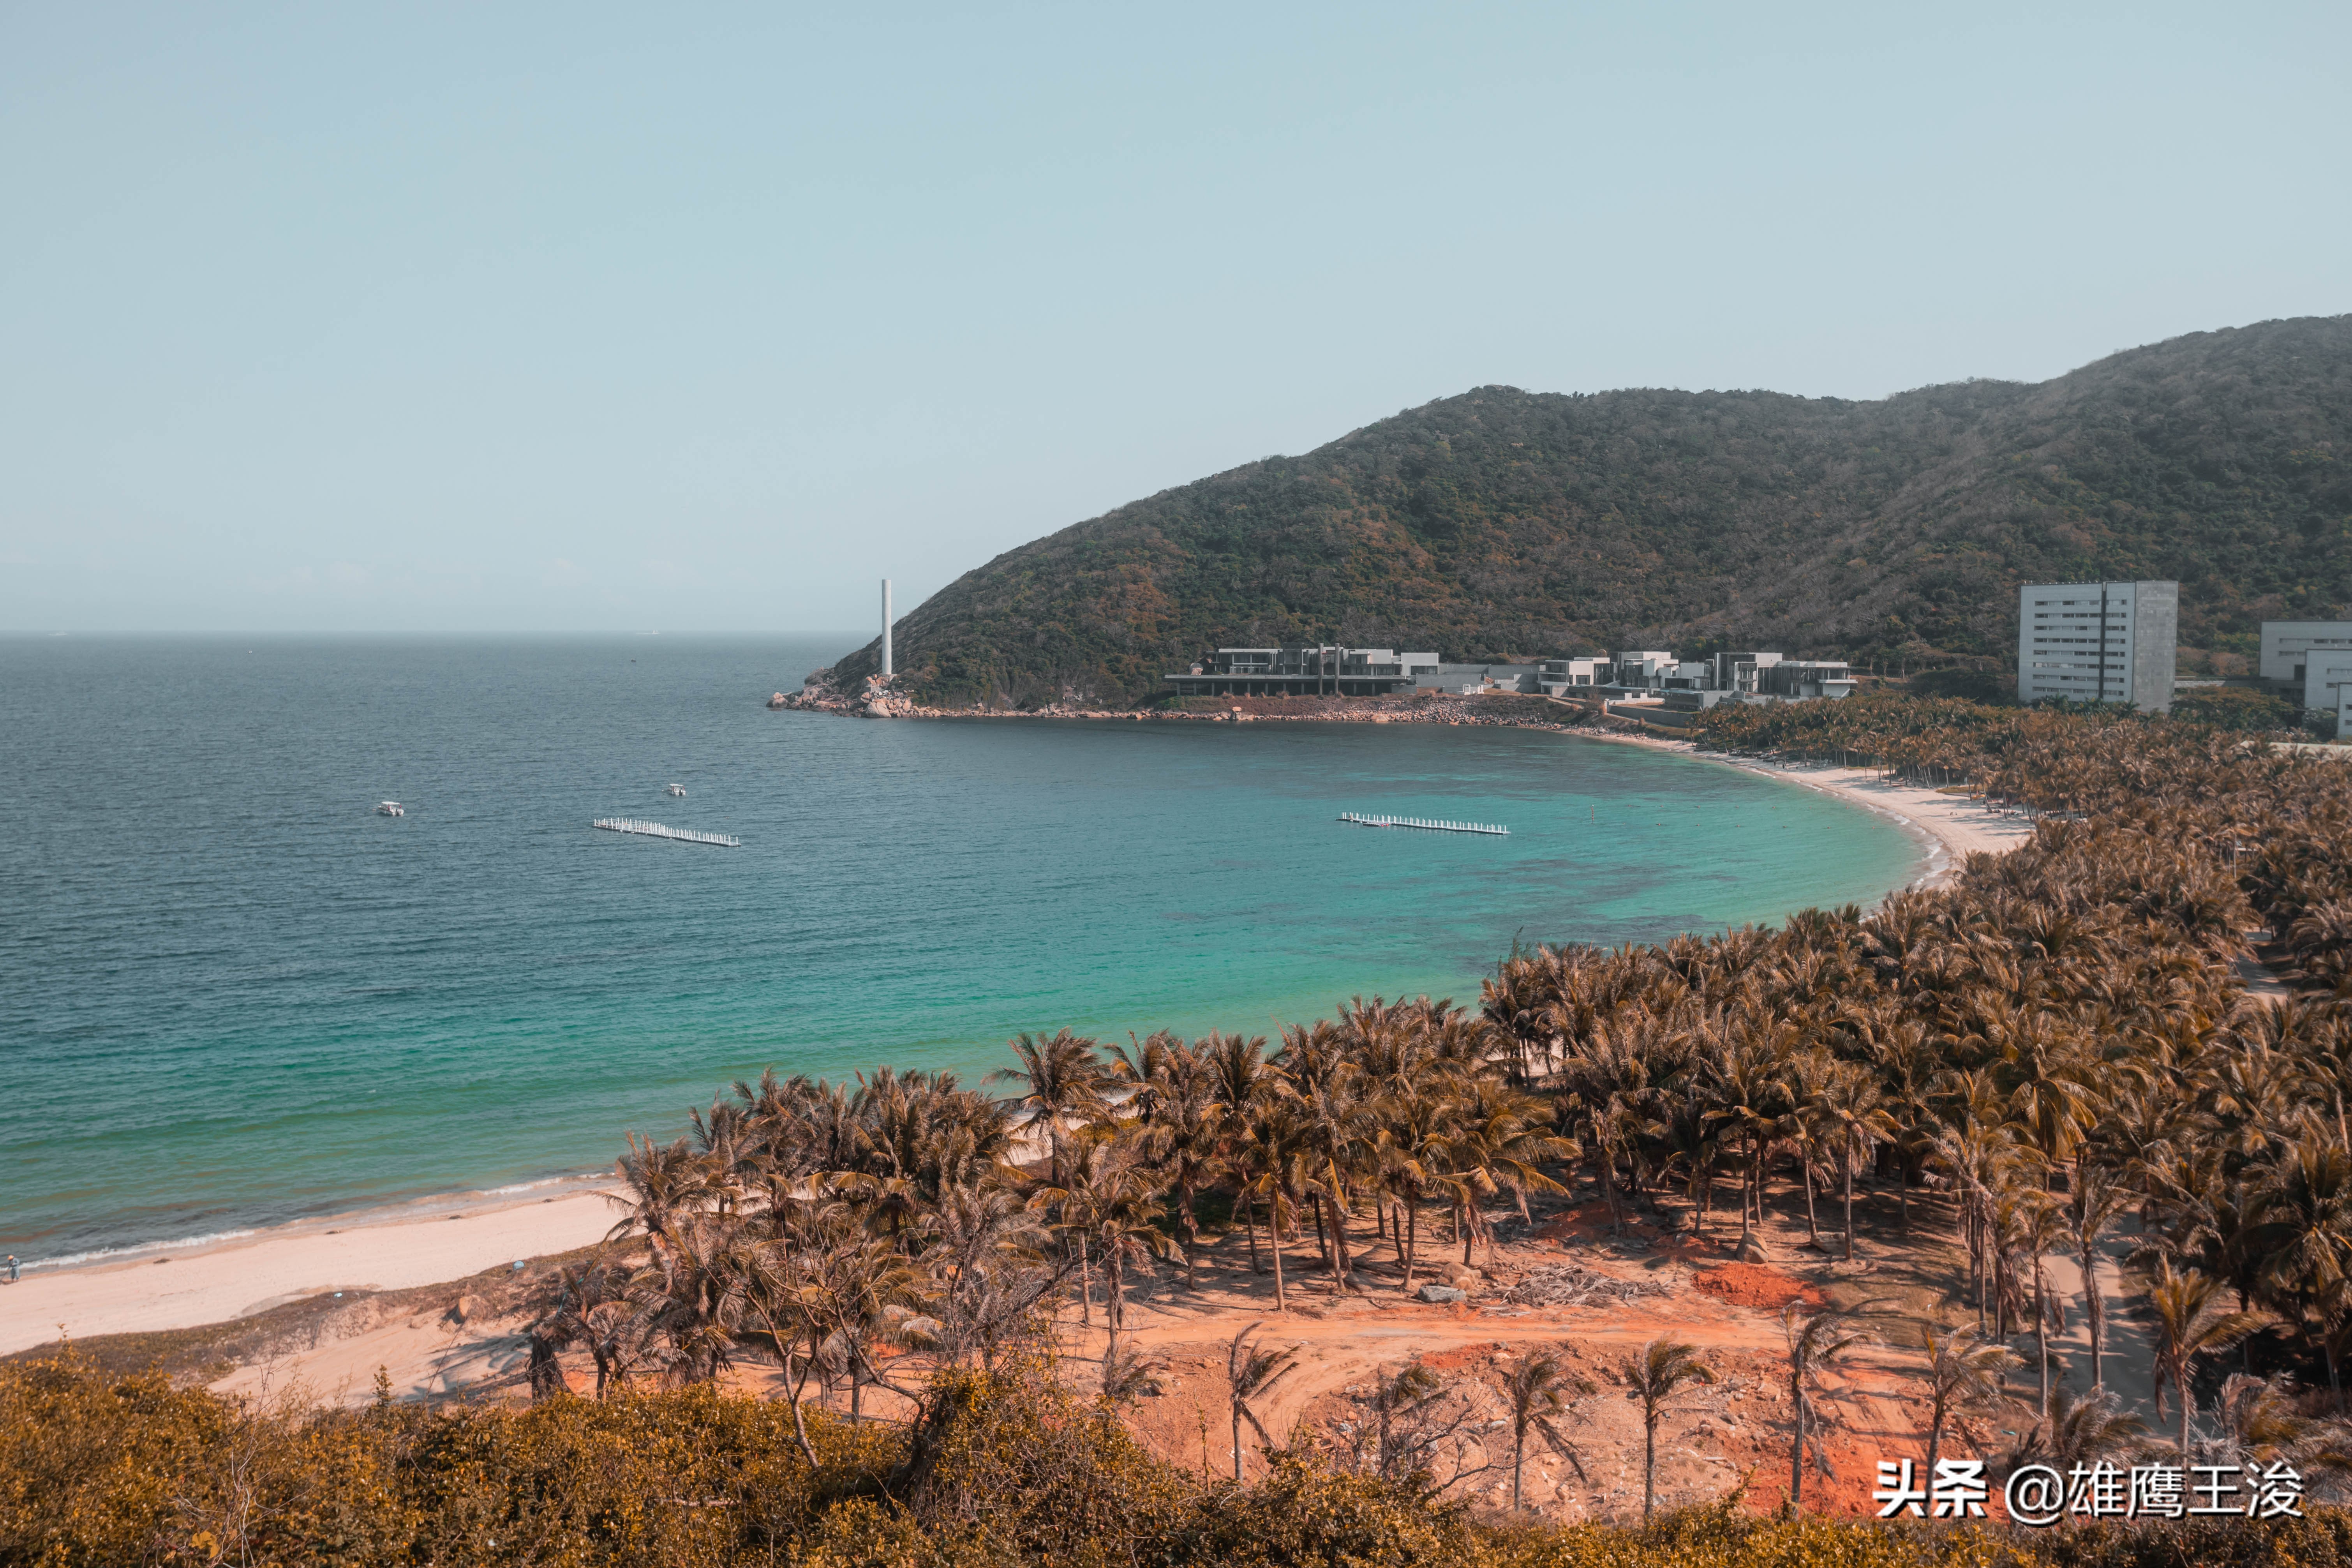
(2326,679)
(1641,671)
(1571,677)
(1690,685)
(1478,679)
(2287,647)
(2098,642)
(1754,678)
(1801,679)
(1304,671)
(1644,674)
(1736,672)
(1688,675)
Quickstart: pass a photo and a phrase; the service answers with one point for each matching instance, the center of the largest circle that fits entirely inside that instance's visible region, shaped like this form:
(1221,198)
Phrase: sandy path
(2128,1350)
(185,1289)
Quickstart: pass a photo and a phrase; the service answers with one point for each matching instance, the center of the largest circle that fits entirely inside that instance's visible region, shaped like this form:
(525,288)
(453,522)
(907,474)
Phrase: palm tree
(1143,1073)
(2258,1423)
(2304,1233)
(1064,1080)
(775,1319)
(1413,1119)
(1183,1133)
(1906,1068)
(1805,1128)
(853,1294)
(1538,1388)
(1854,1108)
(1278,1171)
(1111,1205)
(1498,1140)
(1651,1379)
(1251,1373)
(666,1184)
(1129,1374)
(1982,1156)
(1962,1373)
(984,1252)
(1745,1092)
(1240,1081)
(1815,1340)
(2043,1226)
(1606,1103)
(2190,1322)
(2080,1430)
(1338,1144)
(592,1309)
(2040,1064)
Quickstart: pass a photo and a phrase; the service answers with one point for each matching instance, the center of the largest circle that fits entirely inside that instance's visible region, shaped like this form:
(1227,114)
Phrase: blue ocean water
(231,994)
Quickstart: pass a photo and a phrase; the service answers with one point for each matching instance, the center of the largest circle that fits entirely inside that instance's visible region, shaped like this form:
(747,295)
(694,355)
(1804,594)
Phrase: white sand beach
(1952,826)
(1958,825)
(184,1288)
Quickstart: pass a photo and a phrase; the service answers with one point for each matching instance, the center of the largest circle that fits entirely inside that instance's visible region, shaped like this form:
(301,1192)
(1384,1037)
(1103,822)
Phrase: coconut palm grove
(892,1320)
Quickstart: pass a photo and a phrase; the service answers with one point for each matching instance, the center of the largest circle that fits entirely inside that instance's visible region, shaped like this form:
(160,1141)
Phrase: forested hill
(1506,523)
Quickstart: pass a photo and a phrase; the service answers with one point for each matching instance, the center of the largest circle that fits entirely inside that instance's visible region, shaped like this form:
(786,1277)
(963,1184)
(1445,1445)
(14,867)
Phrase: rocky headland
(876,697)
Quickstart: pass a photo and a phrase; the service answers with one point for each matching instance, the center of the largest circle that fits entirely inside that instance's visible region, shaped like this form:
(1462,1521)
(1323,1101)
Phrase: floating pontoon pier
(1495,829)
(656,830)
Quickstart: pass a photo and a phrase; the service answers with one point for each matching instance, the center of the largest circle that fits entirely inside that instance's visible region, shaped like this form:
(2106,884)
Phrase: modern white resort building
(1649,675)
(2310,662)
(2098,642)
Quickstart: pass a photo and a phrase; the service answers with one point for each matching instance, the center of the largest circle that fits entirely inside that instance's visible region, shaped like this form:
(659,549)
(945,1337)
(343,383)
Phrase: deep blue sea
(231,994)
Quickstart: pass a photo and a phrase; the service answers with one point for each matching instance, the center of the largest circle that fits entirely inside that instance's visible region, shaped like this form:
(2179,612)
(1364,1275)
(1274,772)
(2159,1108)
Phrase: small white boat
(678,790)
(389,808)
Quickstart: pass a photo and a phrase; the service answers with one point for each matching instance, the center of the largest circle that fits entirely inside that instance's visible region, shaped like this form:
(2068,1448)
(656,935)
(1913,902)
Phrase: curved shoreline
(1955,826)
(450,1236)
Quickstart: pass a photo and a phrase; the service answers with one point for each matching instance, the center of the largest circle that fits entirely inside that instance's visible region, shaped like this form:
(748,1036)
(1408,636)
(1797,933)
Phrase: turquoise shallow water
(230,994)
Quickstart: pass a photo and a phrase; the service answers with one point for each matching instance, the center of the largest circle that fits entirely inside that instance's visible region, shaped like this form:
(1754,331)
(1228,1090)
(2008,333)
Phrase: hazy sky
(507,318)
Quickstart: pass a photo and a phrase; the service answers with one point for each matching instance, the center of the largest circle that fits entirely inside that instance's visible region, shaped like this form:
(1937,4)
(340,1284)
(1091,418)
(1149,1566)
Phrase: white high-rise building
(2098,642)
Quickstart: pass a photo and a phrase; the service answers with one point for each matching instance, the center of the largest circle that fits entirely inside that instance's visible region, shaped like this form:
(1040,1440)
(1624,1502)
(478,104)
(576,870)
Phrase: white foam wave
(100,1255)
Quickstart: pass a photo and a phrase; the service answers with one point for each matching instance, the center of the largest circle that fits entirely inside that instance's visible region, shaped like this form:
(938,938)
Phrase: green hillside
(1504,522)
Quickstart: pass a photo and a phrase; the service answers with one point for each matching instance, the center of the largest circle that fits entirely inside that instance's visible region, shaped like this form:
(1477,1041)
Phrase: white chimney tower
(886,671)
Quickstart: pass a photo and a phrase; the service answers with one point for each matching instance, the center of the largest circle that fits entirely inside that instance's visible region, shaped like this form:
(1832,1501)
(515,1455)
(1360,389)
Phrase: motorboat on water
(678,790)
(389,808)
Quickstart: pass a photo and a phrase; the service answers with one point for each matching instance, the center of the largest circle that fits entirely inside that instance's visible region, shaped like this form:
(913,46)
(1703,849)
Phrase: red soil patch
(1457,1360)
(1754,1285)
